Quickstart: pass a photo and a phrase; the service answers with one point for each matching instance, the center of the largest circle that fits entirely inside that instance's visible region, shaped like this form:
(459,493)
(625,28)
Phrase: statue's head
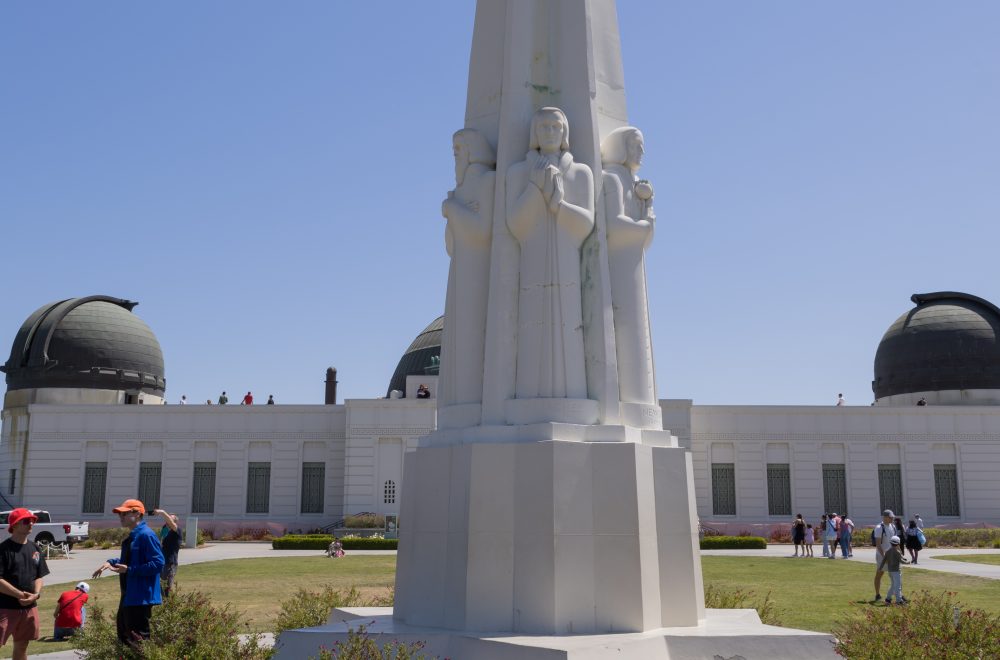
(623,146)
(470,146)
(549,131)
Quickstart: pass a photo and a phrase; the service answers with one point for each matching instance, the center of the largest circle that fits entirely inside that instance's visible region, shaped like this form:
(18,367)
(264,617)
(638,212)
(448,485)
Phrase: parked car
(46,532)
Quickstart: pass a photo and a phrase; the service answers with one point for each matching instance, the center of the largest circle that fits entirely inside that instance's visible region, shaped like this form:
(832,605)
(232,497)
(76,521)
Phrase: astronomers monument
(550,514)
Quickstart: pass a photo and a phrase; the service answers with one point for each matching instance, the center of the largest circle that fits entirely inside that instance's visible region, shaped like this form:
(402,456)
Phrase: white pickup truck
(47,532)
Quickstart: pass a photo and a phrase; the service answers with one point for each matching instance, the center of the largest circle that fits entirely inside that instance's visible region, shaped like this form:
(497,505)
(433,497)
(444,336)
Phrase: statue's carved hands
(473,206)
(538,173)
(558,193)
(446,202)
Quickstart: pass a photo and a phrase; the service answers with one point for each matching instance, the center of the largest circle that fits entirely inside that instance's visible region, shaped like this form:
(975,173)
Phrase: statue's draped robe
(467,238)
(628,238)
(550,356)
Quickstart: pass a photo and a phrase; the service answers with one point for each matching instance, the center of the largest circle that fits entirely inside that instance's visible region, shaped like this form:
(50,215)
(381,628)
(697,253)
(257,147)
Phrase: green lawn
(974,559)
(813,594)
(810,594)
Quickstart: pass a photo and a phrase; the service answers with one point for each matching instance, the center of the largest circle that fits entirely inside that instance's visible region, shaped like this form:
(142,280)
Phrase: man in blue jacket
(138,568)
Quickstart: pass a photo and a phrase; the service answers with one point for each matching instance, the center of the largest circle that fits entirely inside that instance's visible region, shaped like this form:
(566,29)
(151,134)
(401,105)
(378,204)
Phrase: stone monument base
(723,635)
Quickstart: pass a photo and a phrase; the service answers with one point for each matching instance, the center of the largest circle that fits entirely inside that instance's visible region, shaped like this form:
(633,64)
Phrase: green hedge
(322,542)
(733,543)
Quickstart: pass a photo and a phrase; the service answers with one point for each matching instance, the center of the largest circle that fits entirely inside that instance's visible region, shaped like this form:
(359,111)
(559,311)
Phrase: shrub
(312,608)
(187,625)
(733,543)
(248,534)
(322,541)
(359,646)
(923,629)
(961,538)
(781,536)
(365,521)
(112,537)
(766,608)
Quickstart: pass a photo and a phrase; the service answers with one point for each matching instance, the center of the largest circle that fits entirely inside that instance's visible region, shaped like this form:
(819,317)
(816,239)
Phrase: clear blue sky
(266,178)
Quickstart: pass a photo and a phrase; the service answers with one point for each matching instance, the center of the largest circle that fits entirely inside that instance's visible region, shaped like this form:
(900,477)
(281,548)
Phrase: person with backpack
(882,540)
(821,530)
(70,612)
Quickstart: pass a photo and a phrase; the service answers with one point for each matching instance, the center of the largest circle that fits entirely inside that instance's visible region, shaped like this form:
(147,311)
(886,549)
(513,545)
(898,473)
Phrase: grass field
(975,559)
(810,594)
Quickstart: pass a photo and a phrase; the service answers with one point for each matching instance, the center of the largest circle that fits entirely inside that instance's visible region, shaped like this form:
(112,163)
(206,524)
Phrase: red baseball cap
(130,505)
(17,515)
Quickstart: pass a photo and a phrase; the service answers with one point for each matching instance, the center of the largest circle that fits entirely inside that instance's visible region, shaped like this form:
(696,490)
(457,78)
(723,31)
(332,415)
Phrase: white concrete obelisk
(550,500)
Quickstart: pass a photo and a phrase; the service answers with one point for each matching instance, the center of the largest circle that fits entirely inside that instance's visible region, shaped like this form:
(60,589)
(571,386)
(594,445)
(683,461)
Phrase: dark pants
(133,623)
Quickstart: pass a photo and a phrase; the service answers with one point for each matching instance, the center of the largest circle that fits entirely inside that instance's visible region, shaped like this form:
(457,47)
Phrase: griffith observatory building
(83,430)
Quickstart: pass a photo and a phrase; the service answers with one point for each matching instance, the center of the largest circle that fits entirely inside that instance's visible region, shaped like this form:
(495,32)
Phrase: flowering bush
(186,625)
(359,646)
(767,610)
(312,608)
(930,626)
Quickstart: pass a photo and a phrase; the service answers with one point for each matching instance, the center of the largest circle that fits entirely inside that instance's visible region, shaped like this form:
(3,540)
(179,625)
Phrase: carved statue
(629,208)
(469,211)
(550,211)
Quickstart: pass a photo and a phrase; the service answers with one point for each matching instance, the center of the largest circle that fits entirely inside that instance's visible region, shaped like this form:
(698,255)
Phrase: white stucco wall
(861,437)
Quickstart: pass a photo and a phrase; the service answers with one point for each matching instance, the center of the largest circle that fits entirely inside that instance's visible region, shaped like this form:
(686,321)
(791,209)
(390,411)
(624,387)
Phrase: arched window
(390,492)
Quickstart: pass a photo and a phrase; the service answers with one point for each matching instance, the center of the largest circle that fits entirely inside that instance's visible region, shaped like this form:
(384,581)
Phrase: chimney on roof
(331,386)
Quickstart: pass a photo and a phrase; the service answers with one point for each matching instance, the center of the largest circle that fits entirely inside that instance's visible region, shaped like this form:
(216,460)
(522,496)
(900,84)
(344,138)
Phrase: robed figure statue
(469,211)
(630,218)
(550,211)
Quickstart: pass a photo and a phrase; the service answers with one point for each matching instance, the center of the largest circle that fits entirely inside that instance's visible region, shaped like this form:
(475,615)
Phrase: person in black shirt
(22,568)
(170,538)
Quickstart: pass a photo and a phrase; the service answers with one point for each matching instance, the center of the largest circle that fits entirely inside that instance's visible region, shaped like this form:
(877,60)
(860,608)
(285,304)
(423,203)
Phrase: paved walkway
(81,564)
(925,560)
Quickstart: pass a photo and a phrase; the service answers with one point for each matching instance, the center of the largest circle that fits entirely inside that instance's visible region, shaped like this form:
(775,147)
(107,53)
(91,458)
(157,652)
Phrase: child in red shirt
(70,613)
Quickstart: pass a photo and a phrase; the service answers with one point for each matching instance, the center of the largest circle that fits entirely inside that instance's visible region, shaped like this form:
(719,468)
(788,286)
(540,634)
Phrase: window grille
(258,487)
(834,488)
(779,489)
(890,488)
(203,488)
(946,489)
(12,481)
(724,489)
(149,484)
(313,478)
(95,479)
(389,494)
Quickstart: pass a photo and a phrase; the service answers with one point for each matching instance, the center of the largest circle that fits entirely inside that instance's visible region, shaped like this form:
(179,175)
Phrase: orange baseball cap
(17,515)
(130,505)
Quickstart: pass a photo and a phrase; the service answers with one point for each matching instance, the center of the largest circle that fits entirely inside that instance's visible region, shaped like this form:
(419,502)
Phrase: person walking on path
(891,562)
(840,400)
(920,521)
(138,568)
(22,568)
(70,613)
(810,539)
(799,535)
(913,542)
(223,399)
(170,539)
(270,399)
(883,534)
(821,529)
(846,536)
(833,533)
(247,400)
